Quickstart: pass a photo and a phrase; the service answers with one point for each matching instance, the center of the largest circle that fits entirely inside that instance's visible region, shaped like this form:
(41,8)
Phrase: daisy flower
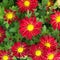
(48,42)
(55,20)
(10,16)
(30,27)
(36,52)
(50,55)
(25,5)
(19,49)
(2,34)
(4,55)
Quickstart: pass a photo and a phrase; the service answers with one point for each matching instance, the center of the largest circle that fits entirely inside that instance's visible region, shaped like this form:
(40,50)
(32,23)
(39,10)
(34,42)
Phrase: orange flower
(25,5)
(29,27)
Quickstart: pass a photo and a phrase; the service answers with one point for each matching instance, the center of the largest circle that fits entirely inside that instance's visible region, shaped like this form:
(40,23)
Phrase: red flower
(48,42)
(25,5)
(19,49)
(50,55)
(29,27)
(55,20)
(2,34)
(36,52)
(10,16)
(57,56)
(4,55)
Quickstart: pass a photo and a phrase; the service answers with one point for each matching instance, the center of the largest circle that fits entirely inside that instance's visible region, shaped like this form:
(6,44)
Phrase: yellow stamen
(5,57)
(58,19)
(50,56)
(47,44)
(27,3)
(20,49)
(38,53)
(49,3)
(10,15)
(30,27)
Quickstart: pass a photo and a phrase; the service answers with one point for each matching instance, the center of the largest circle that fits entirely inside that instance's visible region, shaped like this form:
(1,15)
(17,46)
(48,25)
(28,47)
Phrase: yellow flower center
(27,3)
(30,27)
(38,53)
(50,56)
(5,57)
(0,35)
(20,49)
(10,15)
(47,44)
(58,19)
(49,3)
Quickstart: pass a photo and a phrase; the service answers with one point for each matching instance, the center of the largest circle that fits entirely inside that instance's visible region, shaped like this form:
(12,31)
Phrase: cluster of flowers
(46,49)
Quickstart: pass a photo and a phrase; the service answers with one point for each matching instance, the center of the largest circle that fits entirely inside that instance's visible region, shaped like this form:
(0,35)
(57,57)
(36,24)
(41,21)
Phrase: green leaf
(14,8)
(7,3)
(7,34)
(55,33)
(44,2)
(28,14)
(14,58)
(1,12)
(55,5)
(29,58)
(26,58)
(12,30)
(7,43)
(44,30)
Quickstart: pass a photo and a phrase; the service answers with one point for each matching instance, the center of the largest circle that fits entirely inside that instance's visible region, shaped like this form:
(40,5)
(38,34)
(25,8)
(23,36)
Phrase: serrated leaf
(14,8)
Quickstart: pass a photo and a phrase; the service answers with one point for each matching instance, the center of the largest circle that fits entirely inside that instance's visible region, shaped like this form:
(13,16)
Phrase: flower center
(5,57)
(0,35)
(30,27)
(20,49)
(38,53)
(50,56)
(48,45)
(49,3)
(10,15)
(27,3)
(58,19)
